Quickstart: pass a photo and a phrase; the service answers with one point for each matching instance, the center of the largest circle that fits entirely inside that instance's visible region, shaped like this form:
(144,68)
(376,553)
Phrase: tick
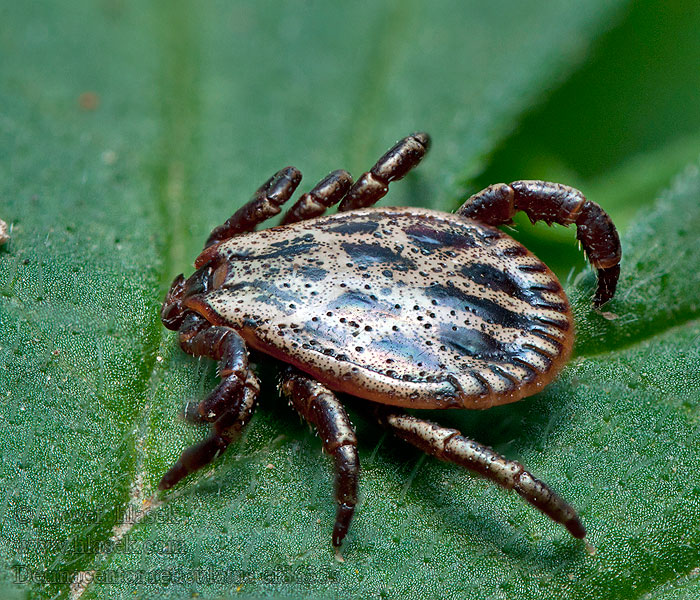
(406,308)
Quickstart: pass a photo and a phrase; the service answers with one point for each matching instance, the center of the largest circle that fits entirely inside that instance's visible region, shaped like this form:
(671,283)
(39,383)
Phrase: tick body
(402,307)
(411,308)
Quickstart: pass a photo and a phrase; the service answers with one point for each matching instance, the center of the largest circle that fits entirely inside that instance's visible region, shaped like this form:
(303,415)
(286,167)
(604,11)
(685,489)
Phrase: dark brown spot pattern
(408,307)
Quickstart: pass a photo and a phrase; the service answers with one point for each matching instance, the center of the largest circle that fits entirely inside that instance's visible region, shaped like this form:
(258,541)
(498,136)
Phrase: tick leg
(224,430)
(172,312)
(555,203)
(398,161)
(200,338)
(229,407)
(449,445)
(326,193)
(318,405)
(265,203)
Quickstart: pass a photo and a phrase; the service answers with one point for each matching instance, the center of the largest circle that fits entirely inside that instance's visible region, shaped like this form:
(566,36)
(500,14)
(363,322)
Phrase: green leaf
(129,129)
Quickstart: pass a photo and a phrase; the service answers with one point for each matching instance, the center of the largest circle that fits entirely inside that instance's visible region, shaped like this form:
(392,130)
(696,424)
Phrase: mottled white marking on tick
(411,308)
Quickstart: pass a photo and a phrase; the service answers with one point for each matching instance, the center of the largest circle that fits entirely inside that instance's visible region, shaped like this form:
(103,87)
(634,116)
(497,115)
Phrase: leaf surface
(128,130)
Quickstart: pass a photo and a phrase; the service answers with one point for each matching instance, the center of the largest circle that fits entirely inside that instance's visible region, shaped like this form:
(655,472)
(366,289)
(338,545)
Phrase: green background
(129,129)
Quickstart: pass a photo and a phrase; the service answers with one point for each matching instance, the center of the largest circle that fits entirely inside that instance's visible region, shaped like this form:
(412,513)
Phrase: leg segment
(449,445)
(264,204)
(230,406)
(224,430)
(398,161)
(314,203)
(318,405)
(200,338)
(172,313)
(555,203)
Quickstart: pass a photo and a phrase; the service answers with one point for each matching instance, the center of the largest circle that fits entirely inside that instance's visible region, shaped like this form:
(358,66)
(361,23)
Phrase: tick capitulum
(402,307)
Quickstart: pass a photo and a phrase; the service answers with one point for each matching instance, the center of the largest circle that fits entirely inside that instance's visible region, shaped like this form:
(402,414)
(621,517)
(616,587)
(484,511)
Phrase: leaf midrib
(178,89)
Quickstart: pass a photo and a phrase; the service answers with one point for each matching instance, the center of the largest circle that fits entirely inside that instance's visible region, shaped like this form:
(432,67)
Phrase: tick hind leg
(229,407)
(449,445)
(398,160)
(265,203)
(555,203)
(318,405)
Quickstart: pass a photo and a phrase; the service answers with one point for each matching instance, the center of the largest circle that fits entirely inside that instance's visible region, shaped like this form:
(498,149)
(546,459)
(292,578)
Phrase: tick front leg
(172,313)
(325,194)
(318,405)
(449,445)
(394,165)
(200,338)
(265,203)
(224,430)
(230,406)
(555,203)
